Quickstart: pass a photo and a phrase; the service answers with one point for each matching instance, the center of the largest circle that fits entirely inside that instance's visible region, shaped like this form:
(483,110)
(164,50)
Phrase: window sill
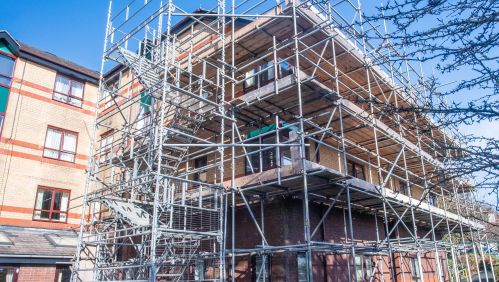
(49,158)
(49,221)
(69,104)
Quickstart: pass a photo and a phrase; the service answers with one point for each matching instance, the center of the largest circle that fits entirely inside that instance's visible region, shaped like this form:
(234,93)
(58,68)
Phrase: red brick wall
(36,273)
(284,226)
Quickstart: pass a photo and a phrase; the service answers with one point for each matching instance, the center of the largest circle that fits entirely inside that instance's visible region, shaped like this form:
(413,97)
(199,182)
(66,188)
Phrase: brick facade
(31,109)
(283,225)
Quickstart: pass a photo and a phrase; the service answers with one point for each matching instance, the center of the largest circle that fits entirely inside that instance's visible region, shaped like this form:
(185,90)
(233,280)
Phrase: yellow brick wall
(23,168)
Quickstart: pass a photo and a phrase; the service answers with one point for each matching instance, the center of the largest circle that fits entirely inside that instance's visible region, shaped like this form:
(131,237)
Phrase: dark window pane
(350,169)
(359,172)
(63,274)
(267,74)
(254,158)
(269,155)
(199,163)
(56,216)
(47,200)
(57,201)
(44,215)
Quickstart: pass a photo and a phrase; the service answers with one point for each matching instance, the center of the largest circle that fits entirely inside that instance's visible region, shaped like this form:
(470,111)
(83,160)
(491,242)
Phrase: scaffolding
(209,114)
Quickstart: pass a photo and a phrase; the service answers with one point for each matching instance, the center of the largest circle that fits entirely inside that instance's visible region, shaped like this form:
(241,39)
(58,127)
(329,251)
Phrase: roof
(20,242)
(27,49)
(181,26)
(50,60)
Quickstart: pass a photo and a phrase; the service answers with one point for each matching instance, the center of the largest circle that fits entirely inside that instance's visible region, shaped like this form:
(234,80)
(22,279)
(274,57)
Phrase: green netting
(145,101)
(4,97)
(5,48)
(268,128)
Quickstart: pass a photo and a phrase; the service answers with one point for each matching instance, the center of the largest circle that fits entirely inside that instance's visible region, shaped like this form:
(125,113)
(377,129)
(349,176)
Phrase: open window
(51,204)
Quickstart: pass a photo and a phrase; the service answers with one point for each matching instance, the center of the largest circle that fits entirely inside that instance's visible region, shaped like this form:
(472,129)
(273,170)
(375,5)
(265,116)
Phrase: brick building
(268,146)
(46,116)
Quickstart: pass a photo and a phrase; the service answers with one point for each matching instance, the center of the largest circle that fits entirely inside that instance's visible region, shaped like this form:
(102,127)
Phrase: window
(2,117)
(285,69)
(432,200)
(199,270)
(51,204)
(301,261)
(8,274)
(262,160)
(106,145)
(200,163)
(355,170)
(60,144)
(415,271)
(316,154)
(143,113)
(261,268)
(403,187)
(113,89)
(251,80)
(6,69)
(62,273)
(363,267)
(68,91)
(443,269)
(266,74)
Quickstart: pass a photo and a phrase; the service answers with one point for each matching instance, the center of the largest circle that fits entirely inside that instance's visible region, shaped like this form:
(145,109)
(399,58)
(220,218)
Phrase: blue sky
(70,29)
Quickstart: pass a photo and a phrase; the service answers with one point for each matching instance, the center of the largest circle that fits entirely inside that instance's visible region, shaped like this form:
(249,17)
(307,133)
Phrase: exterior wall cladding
(283,224)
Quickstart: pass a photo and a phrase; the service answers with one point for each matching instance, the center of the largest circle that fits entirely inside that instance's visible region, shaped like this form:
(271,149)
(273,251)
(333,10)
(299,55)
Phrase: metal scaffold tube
(248,141)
